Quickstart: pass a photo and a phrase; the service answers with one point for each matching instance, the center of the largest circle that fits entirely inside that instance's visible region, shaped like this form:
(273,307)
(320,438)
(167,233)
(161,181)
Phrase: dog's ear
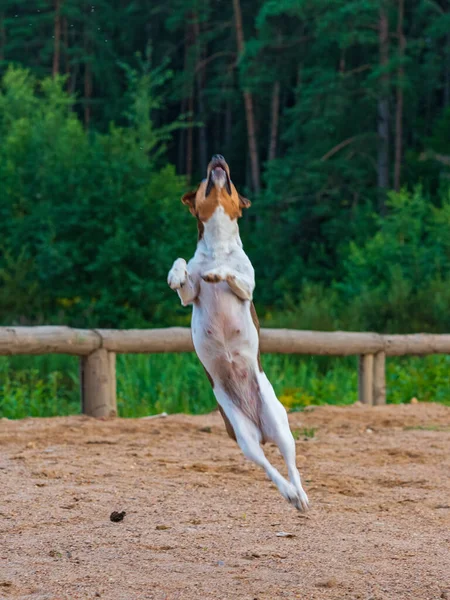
(189,200)
(244,202)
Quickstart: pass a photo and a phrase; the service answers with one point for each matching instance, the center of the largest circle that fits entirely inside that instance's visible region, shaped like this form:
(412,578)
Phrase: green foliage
(89,215)
(162,383)
(98,103)
(423,378)
(38,387)
(48,385)
(399,280)
(90,222)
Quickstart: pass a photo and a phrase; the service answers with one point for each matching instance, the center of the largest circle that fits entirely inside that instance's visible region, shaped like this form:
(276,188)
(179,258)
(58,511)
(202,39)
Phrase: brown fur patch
(241,385)
(214,278)
(244,202)
(189,200)
(210,379)
(228,425)
(231,204)
(256,323)
(203,207)
(200,229)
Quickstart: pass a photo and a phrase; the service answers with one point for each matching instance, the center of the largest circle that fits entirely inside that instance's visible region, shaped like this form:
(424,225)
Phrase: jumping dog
(219,282)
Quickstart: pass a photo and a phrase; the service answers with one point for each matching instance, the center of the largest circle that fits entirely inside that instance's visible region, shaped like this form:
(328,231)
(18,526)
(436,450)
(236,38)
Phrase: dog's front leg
(180,280)
(241,284)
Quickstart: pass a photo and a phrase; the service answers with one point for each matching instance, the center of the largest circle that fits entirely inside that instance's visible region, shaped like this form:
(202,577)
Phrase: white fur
(219,177)
(223,332)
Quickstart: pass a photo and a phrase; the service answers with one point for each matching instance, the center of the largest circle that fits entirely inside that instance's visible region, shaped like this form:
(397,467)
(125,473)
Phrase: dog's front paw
(215,275)
(177,274)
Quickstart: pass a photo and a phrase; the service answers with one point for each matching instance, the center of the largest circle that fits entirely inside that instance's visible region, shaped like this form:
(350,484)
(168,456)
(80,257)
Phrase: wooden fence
(97,349)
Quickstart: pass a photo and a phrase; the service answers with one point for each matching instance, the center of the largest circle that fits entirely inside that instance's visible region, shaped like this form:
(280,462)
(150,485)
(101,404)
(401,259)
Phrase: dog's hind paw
(301,502)
(296,497)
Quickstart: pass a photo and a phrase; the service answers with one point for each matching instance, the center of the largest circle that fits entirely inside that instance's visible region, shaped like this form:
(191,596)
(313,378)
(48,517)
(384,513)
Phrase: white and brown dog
(219,282)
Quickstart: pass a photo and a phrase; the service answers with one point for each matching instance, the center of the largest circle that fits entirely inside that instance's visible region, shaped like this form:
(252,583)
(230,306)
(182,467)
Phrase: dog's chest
(220,235)
(221,324)
(220,311)
(219,316)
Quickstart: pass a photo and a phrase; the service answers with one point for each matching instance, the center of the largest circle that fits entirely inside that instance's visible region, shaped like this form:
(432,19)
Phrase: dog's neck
(220,234)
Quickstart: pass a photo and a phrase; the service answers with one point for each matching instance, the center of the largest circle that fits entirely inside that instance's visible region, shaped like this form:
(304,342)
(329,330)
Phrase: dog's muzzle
(218,175)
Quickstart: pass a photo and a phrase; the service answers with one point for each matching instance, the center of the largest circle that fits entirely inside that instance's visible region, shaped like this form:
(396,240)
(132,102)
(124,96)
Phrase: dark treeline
(324,111)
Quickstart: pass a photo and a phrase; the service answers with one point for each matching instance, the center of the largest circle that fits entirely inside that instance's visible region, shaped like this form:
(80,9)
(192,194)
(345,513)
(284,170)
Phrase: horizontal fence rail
(65,340)
(97,349)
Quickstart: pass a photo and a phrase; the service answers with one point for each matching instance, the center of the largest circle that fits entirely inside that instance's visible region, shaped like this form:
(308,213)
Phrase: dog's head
(214,191)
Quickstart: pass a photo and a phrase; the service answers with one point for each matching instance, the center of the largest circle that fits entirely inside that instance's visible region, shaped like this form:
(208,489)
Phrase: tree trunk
(87,93)
(181,140)
(228,125)
(65,37)
(217,136)
(57,36)
(189,145)
(87,79)
(74,78)
(203,142)
(200,78)
(248,101)
(2,36)
(275,118)
(76,66)
(190,101)
(447,71)
(383,112)
(342,62)
(399,109)
(181,161)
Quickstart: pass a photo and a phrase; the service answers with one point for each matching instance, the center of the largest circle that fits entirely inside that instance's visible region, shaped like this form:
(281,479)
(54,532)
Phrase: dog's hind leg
(276,428)
(249,437)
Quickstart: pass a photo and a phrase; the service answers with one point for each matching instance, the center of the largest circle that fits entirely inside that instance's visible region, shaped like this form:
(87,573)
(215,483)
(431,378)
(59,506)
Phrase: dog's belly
(222,328)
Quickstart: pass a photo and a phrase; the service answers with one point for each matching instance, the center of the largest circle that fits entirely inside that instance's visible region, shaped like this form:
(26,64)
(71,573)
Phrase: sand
(202,522)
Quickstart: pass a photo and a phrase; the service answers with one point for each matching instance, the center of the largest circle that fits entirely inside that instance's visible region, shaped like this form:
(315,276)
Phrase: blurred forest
(333,116)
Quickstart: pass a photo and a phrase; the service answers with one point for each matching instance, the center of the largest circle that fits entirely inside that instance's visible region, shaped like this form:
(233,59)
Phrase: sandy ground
(201,522)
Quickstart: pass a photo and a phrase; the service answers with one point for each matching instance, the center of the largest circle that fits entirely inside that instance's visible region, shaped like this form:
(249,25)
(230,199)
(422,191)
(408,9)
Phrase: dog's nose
(218,157)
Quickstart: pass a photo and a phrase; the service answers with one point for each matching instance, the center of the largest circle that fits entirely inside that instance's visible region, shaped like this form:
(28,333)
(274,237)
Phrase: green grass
(307,433)
(38,386)
(148,384)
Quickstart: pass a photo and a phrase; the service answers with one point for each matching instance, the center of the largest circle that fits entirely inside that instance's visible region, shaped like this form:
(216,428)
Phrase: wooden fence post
(365,379)
(98,383)
(379,379)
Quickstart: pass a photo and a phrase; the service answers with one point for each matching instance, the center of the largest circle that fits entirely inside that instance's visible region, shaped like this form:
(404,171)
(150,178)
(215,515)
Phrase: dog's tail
(239,381)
